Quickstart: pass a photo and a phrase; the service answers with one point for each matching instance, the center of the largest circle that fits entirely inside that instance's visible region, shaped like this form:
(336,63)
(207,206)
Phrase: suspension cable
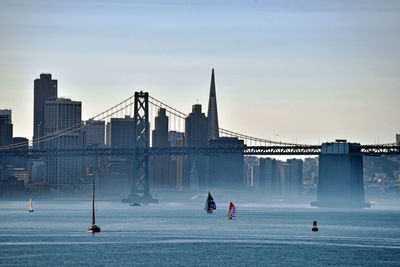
(78,126)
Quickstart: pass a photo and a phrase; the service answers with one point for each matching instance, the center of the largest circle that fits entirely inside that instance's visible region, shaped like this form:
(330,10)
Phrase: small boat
(315,228)
(210,204)
(30,205)
(134,204)
(232,211)
(93,228)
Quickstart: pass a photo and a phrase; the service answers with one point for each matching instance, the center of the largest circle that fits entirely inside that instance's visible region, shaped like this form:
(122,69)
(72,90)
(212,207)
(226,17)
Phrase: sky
(294,71)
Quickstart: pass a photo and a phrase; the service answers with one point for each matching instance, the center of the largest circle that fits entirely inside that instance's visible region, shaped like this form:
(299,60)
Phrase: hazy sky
(305,71)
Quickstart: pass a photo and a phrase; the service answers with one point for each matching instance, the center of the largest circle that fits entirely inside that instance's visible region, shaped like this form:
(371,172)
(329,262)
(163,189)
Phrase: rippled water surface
(178,234)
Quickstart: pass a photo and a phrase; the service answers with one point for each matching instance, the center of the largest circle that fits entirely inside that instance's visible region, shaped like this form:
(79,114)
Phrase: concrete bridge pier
(340,182)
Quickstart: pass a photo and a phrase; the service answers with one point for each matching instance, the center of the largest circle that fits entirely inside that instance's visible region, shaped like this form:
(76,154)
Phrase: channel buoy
(314,228)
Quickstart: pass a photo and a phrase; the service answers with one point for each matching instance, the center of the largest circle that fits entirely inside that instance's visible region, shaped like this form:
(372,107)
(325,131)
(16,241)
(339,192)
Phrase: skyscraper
(226,171)
(196,129)
(94,133)
(196,135)
(6,135)
(115,179)
(269,176)
(212,114)
(292,177)
(20,143)
(59,114)
(160,133)
(6,128)
(6,113)
(161,164)
(176,139)
(122,132)
(44,88)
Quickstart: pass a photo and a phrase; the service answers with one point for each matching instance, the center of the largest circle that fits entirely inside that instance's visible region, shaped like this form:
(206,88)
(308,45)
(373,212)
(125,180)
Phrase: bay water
(182,234)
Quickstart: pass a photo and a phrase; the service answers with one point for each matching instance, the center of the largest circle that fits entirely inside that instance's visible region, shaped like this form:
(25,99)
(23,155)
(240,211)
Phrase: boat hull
(94,229)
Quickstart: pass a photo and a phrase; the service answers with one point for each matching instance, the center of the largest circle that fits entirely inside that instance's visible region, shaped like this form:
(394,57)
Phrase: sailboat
(30,205)
(210,204)
(232,211)
(93,228)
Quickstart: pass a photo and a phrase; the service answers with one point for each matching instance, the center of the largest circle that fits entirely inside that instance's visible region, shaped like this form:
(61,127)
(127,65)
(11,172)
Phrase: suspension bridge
(142,108)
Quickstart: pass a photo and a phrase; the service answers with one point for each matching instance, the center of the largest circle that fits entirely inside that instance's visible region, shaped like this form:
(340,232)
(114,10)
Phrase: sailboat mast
(93,216)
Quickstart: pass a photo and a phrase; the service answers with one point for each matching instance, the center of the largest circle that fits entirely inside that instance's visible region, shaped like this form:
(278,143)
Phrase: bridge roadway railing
(376,150)
(367,150)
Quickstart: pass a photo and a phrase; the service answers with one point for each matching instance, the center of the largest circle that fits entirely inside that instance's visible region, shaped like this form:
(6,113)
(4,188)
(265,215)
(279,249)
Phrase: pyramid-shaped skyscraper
(212,114)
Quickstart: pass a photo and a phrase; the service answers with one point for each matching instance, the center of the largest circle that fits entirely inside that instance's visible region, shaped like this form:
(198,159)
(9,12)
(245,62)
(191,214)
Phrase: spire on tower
(212,85)
(212,114)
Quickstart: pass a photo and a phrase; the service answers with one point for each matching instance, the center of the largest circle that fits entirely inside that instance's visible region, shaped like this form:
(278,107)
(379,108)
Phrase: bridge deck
(368,150)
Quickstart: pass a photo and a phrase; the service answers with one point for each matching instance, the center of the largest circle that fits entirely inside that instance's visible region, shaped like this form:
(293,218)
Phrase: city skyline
(305,82)
(233,133)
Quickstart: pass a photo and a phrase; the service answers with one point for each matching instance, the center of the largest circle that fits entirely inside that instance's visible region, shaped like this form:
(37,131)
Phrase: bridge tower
(340,183)
(140,186)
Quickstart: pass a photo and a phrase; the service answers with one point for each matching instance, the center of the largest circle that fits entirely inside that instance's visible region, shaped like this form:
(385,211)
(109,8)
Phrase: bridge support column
(340,182)
(140,186)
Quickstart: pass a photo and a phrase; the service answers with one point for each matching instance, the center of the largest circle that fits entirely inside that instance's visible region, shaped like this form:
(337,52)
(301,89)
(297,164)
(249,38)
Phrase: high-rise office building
(44,88)
(298,173)
(94,136)
(180,167)
(94,133)
(196,135)
(250,170)
(212,114)
(269,176)
(20,168)
(37,171)
(310,175)
(6,128)
(6,113)
(59,114)
(196,128)
(6,135)
(108,134)
(226,171)
(292,177)
(160,132)
(174,138)
(118,176)
(398,139)
(20,143)
(162,164)
(122,132)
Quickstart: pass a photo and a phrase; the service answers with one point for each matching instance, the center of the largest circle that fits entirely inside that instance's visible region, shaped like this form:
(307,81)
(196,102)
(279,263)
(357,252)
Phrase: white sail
(30,205)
